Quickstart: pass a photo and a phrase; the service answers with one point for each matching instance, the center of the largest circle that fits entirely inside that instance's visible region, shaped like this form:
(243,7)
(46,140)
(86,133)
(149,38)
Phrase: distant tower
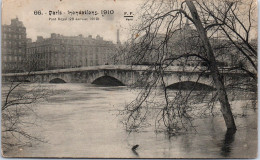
(117,37)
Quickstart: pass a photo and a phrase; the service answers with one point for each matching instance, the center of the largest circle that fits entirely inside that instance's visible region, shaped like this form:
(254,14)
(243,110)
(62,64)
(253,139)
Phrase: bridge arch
(188,85)
(27,81)
(22,80)
(57,80)
(107,81)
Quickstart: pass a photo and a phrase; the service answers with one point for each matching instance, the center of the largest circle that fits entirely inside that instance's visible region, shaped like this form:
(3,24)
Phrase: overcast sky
(40,25)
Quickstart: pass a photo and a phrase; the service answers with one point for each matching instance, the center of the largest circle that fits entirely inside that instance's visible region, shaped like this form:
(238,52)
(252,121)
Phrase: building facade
(60,51)
(180,42)
(13,47)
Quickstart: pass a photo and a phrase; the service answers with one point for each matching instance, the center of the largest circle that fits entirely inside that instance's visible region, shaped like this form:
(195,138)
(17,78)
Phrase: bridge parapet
(127,74)
(118,67)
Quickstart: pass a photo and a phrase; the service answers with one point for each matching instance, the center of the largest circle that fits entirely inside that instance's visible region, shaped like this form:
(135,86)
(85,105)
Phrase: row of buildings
(60,51)
(155,49)
(20,54)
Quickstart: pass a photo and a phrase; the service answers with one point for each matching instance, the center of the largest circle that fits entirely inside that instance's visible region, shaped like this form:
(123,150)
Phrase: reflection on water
(227,143)
(83,122)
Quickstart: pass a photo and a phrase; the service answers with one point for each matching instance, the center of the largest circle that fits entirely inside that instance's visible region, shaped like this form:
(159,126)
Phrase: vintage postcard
(129,79)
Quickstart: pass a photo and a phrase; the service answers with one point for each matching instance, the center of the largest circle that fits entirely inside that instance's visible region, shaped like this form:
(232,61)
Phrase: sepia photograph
(129,79)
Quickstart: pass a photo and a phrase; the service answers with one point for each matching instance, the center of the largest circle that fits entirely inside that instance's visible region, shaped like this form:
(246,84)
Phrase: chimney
(53,35)
(117,37)
(39,39)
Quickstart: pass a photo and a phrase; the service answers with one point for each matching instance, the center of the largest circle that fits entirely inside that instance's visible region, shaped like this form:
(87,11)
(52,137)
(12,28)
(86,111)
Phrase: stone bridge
(119,74)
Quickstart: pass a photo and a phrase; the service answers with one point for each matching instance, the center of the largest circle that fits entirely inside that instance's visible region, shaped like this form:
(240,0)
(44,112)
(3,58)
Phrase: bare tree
(234,20)
(164,38)
(19,109)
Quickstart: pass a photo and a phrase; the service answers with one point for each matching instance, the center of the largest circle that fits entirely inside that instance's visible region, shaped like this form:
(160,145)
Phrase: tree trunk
(219,84)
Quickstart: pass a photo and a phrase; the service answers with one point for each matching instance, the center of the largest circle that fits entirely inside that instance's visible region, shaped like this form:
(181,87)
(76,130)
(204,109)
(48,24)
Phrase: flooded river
(84,122)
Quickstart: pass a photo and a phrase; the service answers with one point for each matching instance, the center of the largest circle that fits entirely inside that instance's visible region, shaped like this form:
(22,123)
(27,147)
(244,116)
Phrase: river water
(84,122)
